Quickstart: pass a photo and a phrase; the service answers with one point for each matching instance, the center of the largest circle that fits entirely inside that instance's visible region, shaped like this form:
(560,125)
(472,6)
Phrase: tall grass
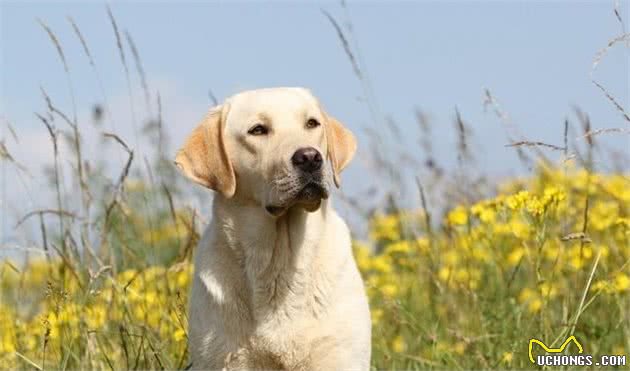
(462,282)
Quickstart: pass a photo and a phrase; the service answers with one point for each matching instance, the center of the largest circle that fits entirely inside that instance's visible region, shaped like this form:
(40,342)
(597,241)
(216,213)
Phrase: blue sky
(535,57)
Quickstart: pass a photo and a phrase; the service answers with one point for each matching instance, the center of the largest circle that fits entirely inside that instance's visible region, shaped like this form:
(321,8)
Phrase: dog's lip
(309,195)
(312,191)
(275,210)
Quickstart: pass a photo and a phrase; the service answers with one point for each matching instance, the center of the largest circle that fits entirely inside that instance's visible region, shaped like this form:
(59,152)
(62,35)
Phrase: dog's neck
(277,255)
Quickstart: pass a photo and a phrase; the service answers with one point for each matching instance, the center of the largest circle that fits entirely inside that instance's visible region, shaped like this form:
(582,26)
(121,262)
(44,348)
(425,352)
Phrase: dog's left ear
(204,159)
(341,146)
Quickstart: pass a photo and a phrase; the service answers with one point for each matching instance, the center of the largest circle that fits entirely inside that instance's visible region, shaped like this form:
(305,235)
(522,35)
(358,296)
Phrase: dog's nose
(307,159)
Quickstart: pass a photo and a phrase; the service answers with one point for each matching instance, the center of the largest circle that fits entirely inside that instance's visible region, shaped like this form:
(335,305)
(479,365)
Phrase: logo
(553,350)
(555,359)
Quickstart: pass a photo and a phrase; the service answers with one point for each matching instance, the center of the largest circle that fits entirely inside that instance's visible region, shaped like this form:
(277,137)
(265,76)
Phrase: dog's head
(275,147)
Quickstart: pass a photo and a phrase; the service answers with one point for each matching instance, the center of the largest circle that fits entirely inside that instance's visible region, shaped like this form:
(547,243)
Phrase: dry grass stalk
(118,189)
(427,212)
(56,168)
(541,144)
(599,56)
(618,16)
(462,133)
(139,68)
(5,155)
(613,101)
(59,212)
(593,133)
(123,59)
(213,98)
(77,32)
(56,43)
(346,45)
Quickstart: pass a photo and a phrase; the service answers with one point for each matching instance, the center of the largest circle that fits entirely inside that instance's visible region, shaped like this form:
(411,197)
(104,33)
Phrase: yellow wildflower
(398,344)
(385,227)
(96,317)
(534,305)
(621,282)
(517,201)
(179,335)
(457,216)
(516,255)
(460,347)
(402,247)
(422,244)
(548,290)
(382,263)
(526,294)
(377,314)
(520,229)
(535,206)
(389,290)
(444,274)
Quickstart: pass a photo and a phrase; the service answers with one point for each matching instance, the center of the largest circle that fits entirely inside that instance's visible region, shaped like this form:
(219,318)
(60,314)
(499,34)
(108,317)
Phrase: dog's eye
(312,123)
(258,129)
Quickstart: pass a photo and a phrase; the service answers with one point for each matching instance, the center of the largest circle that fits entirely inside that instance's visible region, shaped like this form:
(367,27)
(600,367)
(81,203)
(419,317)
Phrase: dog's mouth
(308,197)
(312,192)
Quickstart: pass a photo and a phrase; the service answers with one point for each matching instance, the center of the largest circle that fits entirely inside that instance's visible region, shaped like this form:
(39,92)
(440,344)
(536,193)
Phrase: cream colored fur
(274,290)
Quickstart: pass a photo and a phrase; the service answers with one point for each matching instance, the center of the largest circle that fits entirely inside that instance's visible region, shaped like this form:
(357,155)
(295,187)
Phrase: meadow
(462,285)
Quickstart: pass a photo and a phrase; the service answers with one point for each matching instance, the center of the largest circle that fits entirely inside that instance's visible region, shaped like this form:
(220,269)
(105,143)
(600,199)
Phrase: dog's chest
(290,314)
(286,347)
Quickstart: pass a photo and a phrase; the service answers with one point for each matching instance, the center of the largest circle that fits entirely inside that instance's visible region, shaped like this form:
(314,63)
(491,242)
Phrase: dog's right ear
(203,157)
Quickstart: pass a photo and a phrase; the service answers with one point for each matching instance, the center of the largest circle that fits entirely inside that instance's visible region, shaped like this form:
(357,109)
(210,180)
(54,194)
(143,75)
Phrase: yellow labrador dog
(275,283)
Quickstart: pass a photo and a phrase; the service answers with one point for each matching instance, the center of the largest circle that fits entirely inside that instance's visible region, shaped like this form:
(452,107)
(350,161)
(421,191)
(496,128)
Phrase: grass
(463,282)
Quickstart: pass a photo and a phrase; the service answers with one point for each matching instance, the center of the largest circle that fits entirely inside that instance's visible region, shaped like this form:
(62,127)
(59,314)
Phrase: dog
(275,283)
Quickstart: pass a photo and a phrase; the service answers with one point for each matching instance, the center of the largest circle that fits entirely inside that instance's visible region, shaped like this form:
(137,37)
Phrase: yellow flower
(460,347)
(548,290)
(481,253)
(451,257)
(602,215)
(526,294)
(179,335)
(484,210)
(551,252)
(535,206)
(623,222)
(534,305)
(402,247)
(385,227)
(621,282)
(150,297)
(507,357)
(444,274)
(96,317)
(422,244)
(398,344)
(515,256)
(601,285)
(138,312)
(377,314)
(389,290)
(579,256)
(382,263)
(457,216)
(7,344)
(362,256)
(520,229)
(517,201)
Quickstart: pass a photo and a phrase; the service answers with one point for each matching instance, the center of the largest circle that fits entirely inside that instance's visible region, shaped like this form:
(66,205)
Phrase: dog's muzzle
(309,185)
